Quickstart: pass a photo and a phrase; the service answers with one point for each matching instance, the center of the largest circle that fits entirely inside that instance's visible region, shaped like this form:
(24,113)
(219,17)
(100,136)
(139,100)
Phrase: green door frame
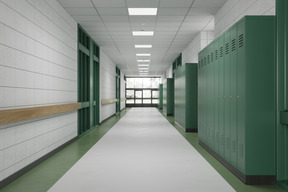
(282,97)
(118,89)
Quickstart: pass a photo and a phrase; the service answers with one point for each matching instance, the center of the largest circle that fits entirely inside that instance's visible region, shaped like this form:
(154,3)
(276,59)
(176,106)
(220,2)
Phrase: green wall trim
(83,49)
(85,104)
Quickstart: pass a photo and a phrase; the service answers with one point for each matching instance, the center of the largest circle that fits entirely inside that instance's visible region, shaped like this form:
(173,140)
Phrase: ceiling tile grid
(176,24)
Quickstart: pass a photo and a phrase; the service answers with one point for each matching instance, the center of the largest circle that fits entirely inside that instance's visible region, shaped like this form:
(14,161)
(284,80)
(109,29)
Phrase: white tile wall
(108,85)
(233,10)
(38,66)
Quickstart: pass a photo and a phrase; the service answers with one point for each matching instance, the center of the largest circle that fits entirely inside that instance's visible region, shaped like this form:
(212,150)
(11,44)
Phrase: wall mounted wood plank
(15,115)
(108,101)
(123,99)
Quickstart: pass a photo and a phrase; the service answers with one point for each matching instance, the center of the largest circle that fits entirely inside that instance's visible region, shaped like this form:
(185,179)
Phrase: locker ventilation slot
(241,40)
(221,51)
(227,48)
(233,47)
(216,54)
(205,61)
(208,59)
(201,62)
(211,57)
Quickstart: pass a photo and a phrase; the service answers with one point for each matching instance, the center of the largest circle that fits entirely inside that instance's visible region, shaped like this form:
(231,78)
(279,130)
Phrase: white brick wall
(233,10)
(38,66)
(107,85)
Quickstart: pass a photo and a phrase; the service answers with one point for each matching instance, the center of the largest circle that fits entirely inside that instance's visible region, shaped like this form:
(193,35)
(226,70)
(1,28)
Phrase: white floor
(142,153)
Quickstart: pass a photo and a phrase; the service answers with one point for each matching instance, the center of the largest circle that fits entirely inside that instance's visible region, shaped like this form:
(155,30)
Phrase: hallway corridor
(142,152)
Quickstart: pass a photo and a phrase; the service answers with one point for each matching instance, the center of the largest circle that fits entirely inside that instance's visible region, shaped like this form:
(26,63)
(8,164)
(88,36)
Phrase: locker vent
(234,146)
(216,54)
(222,142)
(241,40)
(205,61)
(241,150)
(211,57)
(221,51)
(227,48)
(208,59)
(201,62)
(228,143)
(233,46)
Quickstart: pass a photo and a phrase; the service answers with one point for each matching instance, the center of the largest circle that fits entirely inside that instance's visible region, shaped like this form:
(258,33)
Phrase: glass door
(138,97)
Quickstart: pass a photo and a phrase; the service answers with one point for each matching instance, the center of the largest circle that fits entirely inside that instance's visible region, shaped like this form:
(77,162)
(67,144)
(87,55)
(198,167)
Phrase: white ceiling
(175,26)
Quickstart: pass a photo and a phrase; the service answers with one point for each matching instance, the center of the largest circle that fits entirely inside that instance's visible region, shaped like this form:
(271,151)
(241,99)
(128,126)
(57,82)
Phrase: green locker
(200,95)
(160,103)
(227,64)
(168,96)
(245,70)
(186,96)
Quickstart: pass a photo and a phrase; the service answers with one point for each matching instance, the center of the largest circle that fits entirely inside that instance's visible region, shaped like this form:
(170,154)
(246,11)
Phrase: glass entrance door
(138,97)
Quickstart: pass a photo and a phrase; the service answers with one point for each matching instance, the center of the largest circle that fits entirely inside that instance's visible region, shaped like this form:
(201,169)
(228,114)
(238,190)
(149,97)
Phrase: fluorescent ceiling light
(140,68)
(143,65)
(143,46)
(143,33)
(143,54)
(143,60)
(142,11)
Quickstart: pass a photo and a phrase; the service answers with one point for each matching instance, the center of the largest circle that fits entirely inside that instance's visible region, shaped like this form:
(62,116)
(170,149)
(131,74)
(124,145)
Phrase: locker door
(241,96)
(216,98)
(221,97)
(233,95)
(227,95)
(212,95)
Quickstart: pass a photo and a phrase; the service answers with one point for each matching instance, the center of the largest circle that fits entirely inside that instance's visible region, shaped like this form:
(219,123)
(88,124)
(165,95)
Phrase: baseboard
(247,179)
(189,130)
(24,170)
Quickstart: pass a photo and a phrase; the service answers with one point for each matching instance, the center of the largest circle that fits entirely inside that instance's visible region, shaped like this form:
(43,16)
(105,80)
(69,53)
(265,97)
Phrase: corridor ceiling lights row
(142,11)
(143,60)
(143,54)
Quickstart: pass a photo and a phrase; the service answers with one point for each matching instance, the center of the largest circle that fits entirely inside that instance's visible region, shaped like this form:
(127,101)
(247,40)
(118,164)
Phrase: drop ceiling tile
(172,11)
(203,11)
(95,29)
(142,24)
(119,29)
(142,19)
(119,33)
(197,18)
(112,11)
(193,24)
(174,3)
(75,3)
(92,24)
(142,3)
(115,18)
(117,24)
(81,11)
(209,3)
(163,29)
(170,18)
(109,3)
(87,18)
(168,24)
(142,29)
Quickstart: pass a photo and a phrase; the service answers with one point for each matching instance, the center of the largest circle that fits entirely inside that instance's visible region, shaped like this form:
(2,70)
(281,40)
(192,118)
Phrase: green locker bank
(186,97)
(237,99)
(160,102)
(168,96)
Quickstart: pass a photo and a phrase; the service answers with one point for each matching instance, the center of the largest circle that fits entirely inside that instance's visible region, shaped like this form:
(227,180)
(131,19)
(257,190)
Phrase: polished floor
(130,165)
(142,152)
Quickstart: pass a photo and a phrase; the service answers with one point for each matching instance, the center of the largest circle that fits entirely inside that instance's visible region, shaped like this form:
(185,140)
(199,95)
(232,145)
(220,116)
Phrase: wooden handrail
(15,115)
(123,99)
(108,101)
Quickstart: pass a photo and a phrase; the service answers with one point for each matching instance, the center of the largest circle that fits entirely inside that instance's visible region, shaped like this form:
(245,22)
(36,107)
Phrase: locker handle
(284,117)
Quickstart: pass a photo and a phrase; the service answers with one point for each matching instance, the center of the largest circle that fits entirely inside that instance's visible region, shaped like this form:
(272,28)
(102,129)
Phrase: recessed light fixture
(143,65)
(142,68)
(143,54)
(142,11)
(143,46)
(143,60)
(143,33)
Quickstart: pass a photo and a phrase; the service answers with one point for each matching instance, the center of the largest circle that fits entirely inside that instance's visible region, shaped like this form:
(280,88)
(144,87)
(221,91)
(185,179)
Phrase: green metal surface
(236,96)
(282,105)
(186,96)
(160,103)
(168,96)
(118,90)
(88,82)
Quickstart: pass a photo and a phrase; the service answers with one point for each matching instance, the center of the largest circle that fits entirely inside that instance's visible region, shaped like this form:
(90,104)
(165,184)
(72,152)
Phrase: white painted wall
(234,10)
(122,94)
(107,85)
(38,66)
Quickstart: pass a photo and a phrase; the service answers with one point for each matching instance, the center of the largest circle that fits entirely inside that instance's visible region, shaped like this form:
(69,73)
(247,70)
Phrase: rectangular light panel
(143,60)
(143,46)
(143,65)
(142,11)
(143,54)
(143,33)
